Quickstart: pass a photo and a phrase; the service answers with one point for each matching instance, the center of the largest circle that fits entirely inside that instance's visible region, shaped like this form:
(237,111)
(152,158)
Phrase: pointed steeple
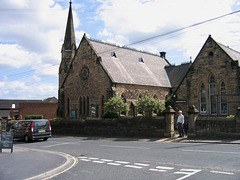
(69,39)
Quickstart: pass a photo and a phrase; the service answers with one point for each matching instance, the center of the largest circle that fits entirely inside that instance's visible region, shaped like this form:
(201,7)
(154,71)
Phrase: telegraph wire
(143,40)
(180,29)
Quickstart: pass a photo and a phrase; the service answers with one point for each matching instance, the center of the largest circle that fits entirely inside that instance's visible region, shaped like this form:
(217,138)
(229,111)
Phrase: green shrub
(169,101)
(116,105)
(149,104)
(34,117)
(111,114)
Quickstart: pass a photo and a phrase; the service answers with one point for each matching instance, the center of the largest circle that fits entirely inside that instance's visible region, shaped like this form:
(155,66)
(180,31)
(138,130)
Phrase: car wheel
(45,139)
(26,139)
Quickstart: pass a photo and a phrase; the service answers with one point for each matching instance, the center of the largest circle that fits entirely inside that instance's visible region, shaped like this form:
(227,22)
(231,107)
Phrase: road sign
(6,141)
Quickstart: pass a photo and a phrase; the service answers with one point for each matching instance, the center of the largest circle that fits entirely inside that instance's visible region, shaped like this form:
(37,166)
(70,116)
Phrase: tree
(149,104)
(169,101)
(116,105)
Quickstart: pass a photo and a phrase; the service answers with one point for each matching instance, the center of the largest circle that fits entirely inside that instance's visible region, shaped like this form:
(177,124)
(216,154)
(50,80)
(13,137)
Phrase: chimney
(163,55)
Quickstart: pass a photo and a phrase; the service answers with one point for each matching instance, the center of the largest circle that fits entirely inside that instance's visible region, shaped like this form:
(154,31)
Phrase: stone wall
(122,127)
(218,128)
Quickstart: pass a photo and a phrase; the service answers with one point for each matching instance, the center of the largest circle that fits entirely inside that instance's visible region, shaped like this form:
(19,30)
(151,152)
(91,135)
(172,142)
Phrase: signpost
(6,141)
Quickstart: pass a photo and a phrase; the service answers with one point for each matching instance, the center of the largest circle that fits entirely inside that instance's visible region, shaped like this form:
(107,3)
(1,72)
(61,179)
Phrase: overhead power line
(180,29)
(153,37)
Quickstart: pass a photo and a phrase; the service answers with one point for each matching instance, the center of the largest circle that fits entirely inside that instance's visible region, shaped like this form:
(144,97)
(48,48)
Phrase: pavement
(33,164)
(213,141)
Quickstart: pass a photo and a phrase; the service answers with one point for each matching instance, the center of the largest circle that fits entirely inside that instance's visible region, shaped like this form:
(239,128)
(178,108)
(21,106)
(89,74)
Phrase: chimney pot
(163,54)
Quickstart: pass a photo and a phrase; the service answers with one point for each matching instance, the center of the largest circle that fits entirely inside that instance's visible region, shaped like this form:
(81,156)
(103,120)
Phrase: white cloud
(22,90)
(137,20)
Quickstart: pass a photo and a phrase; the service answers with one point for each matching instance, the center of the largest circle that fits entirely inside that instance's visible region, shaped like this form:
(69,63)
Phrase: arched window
(155,96)
(212,95)
(203,100)
(102,104)
(80,106)
(87,105)
(223,100)
(84,105)
(68,107)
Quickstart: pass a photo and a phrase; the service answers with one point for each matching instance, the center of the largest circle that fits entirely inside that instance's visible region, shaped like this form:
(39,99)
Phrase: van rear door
(41,126)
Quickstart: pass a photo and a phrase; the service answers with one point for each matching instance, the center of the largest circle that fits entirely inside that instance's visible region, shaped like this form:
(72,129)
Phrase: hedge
(34,117)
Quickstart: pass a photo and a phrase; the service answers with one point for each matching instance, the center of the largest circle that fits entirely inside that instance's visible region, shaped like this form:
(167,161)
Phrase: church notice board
(6,141)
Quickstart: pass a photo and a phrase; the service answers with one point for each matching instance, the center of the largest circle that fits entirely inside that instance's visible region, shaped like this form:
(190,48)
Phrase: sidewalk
(213,141)
(25,163)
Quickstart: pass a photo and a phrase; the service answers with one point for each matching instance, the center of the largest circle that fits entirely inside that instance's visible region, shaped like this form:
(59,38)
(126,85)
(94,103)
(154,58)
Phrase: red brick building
(18,109)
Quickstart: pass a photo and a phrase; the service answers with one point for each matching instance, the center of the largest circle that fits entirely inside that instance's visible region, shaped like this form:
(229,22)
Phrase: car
(30,130)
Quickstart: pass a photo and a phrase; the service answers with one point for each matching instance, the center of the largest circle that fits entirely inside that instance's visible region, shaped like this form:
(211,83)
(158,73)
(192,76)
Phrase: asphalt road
(125,159)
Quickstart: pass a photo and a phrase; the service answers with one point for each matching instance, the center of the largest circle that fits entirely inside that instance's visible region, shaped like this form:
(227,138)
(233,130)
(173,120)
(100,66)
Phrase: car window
(41,124)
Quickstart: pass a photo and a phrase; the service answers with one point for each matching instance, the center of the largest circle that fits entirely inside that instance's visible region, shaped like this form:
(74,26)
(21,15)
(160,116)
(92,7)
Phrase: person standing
(180,123)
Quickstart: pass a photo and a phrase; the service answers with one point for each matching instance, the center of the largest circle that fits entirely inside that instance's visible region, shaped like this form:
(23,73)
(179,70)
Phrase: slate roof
(177,73)
(235,55)
(126,67)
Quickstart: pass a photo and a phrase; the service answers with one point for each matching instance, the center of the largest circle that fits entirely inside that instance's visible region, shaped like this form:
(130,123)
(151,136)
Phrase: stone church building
(95,71)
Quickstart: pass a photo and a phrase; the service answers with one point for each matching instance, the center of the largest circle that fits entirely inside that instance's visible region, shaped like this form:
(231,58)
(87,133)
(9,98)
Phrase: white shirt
(180,119)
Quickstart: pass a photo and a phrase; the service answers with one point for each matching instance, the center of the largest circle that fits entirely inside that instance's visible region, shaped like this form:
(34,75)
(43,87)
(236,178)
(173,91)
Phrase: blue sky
(32,32)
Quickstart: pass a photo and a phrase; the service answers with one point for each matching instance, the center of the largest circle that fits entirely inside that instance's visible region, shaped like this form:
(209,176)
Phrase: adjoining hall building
(95,71)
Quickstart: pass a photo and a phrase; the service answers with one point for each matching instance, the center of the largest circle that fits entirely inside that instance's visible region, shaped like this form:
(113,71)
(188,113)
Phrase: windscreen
(41,124)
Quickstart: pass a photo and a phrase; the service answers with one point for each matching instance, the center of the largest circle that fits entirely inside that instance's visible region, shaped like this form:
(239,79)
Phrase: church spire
(69,39)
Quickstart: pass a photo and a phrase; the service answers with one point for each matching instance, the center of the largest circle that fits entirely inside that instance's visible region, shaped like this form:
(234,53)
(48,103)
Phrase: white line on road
(87,160)
(122,162)
(126,147)
(114,164)
(188,172)
(99,162)
(93,158)
(204,151)
(132,166)
(82,157)
(141,164)
(165,168)
(106,160)
(157,170)
(221,172)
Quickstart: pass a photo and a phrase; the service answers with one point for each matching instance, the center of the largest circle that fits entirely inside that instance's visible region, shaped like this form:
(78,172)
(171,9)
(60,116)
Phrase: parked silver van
(29,130)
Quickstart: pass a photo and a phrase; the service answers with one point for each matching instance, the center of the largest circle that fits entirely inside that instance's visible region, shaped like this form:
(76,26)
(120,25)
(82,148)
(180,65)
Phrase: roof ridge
(229,48)
(123,47)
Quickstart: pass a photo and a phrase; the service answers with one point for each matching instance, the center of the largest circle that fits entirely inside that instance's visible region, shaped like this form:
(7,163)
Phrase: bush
(34,117)
(116,105)
(149,104)
(111,114)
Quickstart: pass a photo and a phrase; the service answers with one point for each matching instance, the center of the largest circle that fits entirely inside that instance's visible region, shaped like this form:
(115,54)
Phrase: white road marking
(93,158)
(122,162)
(157,170)
(188,172)
(106,160)
(204,151)
(87,160)
(99,162)
(221,172)
(140,164)
(126,147)
(132,166)
(82,157)
(165,168)
(114,164)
